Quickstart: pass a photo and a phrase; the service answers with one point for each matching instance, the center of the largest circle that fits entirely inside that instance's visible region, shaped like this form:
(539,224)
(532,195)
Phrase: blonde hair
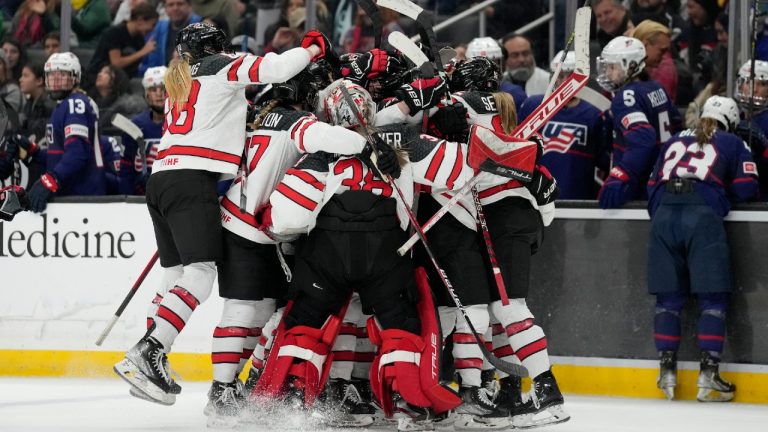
(648,30)
(705,130)
(505,104)
(263,113)
(178,80)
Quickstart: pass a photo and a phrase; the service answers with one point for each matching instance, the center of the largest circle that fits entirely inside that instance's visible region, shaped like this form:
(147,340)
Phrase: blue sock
(666,322)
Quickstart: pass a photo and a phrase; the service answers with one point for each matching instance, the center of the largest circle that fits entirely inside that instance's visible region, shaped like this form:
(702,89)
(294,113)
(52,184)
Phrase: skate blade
(133,376)
(410,425)
(471,423)
(551,415)
(222,422)
(669,392)
(208,410)
(711,395)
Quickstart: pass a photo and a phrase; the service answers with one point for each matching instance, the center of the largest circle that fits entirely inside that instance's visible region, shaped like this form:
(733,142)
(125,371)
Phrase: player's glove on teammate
(424,93)
(315,37)
(450,122)
(543,186)
(41,192)
(13,199)
(386,158)
(360,68)
(615,190)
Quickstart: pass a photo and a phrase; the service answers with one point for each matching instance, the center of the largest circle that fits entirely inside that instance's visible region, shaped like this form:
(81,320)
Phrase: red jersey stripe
(296,197)
(512,184)
(457,164)
(234,209)
(307,177)
(437,160)
(179,150)
(232,74)
(253,72)
(301,134)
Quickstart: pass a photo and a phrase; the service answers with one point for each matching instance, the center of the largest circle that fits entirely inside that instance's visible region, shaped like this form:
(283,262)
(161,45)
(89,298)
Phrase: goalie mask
(621,60)
(62,74)
(744,86)
(201,40)
(339,113)
(477,73)
(722,109)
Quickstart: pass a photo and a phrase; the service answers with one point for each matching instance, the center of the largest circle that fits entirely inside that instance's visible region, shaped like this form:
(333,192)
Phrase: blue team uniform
(759,142)
(111,152)
(573,141)
(131,179)
(643,118)
(72,157)
(517,93)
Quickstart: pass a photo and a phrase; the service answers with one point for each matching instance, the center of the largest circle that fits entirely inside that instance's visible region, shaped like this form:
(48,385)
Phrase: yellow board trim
(574,379)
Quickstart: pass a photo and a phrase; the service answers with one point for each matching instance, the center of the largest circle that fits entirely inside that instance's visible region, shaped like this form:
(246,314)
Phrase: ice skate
(477,403)
(343,406)
(712,387)
(543,405)
(668,374)
(412,418)
(250,382)
(226,401)
(145,367)
(507,399)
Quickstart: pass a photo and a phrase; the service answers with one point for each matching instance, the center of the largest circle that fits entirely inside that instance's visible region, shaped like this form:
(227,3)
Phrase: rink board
(65,273)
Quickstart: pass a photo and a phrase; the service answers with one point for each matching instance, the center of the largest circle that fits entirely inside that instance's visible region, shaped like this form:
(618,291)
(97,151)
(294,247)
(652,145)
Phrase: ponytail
(505,104)
(705,130)
(178,81)
(263,113)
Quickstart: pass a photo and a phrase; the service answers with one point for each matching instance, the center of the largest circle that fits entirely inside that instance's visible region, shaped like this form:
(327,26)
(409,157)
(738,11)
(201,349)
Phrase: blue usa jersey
(111,152)
(724,170)
(643,119)
(759,142)
(131,180)
(573,139)
(73,157)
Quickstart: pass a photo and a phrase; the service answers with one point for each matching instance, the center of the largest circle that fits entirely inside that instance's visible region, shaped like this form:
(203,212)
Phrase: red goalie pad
(501,154)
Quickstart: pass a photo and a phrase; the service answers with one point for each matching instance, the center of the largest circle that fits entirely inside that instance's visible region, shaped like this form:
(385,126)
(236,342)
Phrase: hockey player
(753,129)
(489,48)
(251,273)
(643,118)
(74,160)
(698,174)
(203,141)
(574,140)
(136,164)
(13,199)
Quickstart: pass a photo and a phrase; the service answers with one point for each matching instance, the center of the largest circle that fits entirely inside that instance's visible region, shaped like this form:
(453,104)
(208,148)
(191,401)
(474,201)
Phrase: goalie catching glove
(424,93)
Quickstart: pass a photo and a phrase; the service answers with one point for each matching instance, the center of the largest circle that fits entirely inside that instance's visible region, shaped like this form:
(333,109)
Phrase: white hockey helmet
(722,109)
(339,113)
(484,47)
(153,77)
(62,62)
(569,64)
(744,85)
(621,60)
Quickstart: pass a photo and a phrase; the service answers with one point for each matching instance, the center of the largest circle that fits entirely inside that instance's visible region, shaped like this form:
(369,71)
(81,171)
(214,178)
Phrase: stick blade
(581,39)
(408,48)
(126,125)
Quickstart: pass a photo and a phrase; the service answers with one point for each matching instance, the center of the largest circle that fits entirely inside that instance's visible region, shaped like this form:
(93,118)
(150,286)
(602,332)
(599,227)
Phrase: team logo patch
(632,118)
(560,136)
(76,129)
(749,168)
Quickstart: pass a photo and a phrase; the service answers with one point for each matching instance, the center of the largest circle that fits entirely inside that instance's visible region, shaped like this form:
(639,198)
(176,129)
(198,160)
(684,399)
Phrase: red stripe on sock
(222,332)
(532,348)
(170,316)
(504,351)
(666,337)
(519,326)
(186,297)
(468,363)
(225,357)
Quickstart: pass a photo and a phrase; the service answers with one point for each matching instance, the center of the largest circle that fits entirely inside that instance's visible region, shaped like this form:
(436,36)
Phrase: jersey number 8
(179,121)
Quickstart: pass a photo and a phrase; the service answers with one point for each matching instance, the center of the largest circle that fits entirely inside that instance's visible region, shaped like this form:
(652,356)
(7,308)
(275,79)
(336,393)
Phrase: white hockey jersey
(304,190)
(209,131)
(272,150)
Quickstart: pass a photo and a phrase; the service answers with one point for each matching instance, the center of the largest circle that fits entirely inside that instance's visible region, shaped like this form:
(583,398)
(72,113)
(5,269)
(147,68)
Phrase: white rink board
(62,301)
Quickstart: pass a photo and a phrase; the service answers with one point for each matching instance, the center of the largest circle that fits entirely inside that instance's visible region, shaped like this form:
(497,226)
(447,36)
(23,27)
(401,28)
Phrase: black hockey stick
(128,298)
(506,367)
(374,14)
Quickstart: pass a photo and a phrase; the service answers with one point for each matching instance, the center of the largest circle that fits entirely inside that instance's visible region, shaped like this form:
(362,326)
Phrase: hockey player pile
(341,317)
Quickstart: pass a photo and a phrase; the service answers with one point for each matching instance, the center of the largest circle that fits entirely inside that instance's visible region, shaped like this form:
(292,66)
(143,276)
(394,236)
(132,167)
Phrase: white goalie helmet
(569,64)
(339,113)
(153,77)
(484,47)
(722,109)
(744,85)
(621,60)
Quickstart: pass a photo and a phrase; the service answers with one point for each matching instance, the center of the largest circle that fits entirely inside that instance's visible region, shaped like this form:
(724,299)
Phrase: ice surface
(36,404)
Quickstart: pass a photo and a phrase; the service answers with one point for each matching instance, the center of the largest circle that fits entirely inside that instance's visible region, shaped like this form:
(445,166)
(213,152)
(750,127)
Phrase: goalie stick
(124,124)
(506,367)
(548,108)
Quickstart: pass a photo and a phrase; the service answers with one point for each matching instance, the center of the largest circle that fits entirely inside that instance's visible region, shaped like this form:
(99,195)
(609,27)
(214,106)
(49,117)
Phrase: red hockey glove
(315,37)
(424,93)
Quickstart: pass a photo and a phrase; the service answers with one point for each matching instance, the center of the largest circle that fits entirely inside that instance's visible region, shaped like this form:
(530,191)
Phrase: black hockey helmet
(477,73)
(297,90)
(201,40)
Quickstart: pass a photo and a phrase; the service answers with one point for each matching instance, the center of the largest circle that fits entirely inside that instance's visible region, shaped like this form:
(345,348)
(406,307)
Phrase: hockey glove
(751,134)
(9,151)
(315,37)
(41,192)
(615,190)
(386,158)
(13,199)
(543,186)
(450,122)
(27,148)
(424,93)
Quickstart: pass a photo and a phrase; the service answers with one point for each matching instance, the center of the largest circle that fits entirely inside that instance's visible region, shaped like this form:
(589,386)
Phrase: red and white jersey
(306,188)
(208,132)
(272,150)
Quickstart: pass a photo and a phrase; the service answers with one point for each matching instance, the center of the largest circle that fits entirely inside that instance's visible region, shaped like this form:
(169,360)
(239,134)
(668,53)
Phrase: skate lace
(228,396)
(532,396)
(484,398)
(351,394)
(159,363)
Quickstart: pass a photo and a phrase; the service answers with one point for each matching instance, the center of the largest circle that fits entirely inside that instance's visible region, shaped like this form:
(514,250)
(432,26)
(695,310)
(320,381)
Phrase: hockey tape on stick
(579,21)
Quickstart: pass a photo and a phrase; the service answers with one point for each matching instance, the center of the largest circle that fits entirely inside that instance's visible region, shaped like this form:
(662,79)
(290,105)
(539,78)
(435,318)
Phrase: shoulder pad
(475,100)
(211,65)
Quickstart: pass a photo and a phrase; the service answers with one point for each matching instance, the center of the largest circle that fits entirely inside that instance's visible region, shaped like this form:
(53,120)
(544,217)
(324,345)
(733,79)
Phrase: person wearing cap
(180,15)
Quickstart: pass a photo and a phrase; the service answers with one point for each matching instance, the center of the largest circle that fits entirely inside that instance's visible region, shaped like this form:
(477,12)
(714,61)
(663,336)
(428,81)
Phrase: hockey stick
(374,14)
(128,298)
(412,53)
(536,120)
(510,368)
(567,48)
(124,124)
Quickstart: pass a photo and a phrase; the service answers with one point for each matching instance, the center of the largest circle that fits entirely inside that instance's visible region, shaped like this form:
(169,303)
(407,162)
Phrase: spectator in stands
(123,45)
(716,86)
(124,10)
(9,90)
(33,20)
(288,37)
(38,106)
(51,44)
(658,61)
(111,94)
(360,38)
(508,16)
(521,66)
(700,39)
(612,18)
(16,54)
(231,10)
(180,15)
(661,12)
(89,20)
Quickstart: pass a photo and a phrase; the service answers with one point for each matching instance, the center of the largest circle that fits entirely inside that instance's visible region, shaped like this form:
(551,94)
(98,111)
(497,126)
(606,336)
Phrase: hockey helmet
(201,40)
(339,113)
(60,86)
(722,109)
(621,60)
(569,64)
(297,90)
(744,85)
(484,47)
(477,73)
(154,77)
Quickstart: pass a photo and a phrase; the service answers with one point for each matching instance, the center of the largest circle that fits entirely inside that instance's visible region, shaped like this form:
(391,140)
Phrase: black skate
(342,405)
(543,405)
(507,399)
(251,381)
(145,367)
(712,387)
(412,418)
(478,403)
(667,373)
(226,401)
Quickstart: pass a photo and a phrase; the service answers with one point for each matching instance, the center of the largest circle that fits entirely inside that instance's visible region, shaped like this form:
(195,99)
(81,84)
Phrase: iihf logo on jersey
(560,136)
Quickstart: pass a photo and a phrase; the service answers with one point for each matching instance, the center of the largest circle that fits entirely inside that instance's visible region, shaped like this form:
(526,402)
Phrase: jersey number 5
(180,121)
